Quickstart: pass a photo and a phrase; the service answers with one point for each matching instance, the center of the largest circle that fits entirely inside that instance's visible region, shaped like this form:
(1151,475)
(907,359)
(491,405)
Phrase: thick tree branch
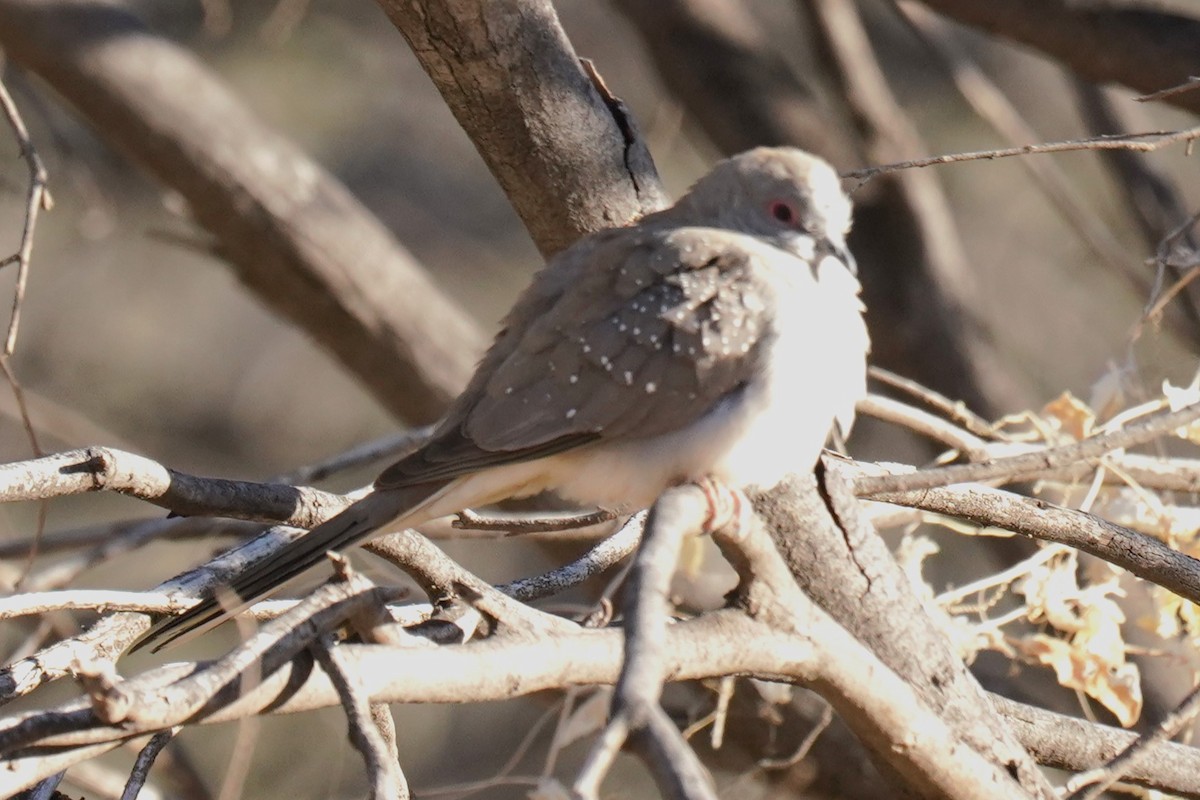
(1145,50)
(568,158)
(846,568)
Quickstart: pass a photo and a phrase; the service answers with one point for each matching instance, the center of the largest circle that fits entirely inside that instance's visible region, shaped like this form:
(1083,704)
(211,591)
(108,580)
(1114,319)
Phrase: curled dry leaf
(1118,688)
(1090,655)
(1073,416)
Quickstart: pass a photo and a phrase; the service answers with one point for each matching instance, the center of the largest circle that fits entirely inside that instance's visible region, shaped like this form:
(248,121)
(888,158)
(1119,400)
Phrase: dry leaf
(1116,687)
(1074,416)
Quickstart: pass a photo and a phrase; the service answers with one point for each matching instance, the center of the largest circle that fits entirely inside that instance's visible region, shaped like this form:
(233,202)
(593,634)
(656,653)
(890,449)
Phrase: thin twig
(389,447)
(386,779)
(1143,555)
(925,424)
(600,558)
(1091,785)
(1146,142)
(143,763)
(37,199)
(109,469)
(1014,467)
(1190,84)
(955,410)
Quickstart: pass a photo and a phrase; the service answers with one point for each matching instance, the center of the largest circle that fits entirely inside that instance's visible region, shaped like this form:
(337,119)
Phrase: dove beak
(836,247)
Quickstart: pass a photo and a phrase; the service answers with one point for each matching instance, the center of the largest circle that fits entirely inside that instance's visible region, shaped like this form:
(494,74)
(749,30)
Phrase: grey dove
(719,338)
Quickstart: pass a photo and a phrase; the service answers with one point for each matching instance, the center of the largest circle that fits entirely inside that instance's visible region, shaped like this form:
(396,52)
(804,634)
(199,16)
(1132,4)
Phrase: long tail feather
(348,528)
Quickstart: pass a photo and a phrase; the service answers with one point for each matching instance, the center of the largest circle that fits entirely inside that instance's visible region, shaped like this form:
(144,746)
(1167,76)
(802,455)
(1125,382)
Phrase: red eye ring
(782,211)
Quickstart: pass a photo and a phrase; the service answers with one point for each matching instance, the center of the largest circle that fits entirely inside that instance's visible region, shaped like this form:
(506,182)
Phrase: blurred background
(135,334)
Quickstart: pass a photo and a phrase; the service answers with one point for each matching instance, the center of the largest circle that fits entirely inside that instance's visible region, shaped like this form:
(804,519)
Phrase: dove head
(782,194)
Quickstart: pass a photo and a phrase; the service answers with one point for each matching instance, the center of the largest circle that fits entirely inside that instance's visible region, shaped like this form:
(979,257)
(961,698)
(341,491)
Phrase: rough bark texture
(559,150)
(845,567)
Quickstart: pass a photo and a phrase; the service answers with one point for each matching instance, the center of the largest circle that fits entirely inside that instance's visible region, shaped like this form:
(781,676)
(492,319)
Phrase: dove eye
(783,211)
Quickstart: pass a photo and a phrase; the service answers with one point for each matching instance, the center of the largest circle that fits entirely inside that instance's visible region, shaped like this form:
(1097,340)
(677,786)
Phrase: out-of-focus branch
(295,236)
(1152,198)
(564,152)
(1146,50)
(38,198)
(991,104)
(716,58)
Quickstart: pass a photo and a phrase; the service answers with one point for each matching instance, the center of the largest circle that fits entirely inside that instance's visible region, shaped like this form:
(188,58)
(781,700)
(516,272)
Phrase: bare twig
(145,760)
(389,447)
(1026,464)
(541,523)
(1191,84)
(1142,555)
(1140,142)
(924,423)
(444,580)
(598,559)
(956,410)
(101,600)
(383,771)
(37,199)
(1091,785)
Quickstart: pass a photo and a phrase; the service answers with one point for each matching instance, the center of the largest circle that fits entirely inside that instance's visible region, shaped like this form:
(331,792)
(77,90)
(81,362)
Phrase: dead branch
(1146,142)
(383,770)
(1142,555)
(106,469)
(1035,463)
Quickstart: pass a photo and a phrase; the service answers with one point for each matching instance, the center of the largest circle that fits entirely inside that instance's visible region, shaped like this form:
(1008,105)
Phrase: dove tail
(259,580)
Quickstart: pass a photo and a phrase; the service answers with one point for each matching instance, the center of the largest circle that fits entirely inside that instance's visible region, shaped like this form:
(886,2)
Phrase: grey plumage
(705,340)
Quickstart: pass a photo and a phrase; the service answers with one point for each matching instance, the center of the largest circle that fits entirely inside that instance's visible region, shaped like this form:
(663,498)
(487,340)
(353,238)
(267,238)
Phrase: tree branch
(1145,50)
(569,159)
(293,233)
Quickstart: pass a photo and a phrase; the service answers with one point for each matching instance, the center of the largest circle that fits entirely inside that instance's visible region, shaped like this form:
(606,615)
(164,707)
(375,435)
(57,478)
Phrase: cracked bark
(569,161)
